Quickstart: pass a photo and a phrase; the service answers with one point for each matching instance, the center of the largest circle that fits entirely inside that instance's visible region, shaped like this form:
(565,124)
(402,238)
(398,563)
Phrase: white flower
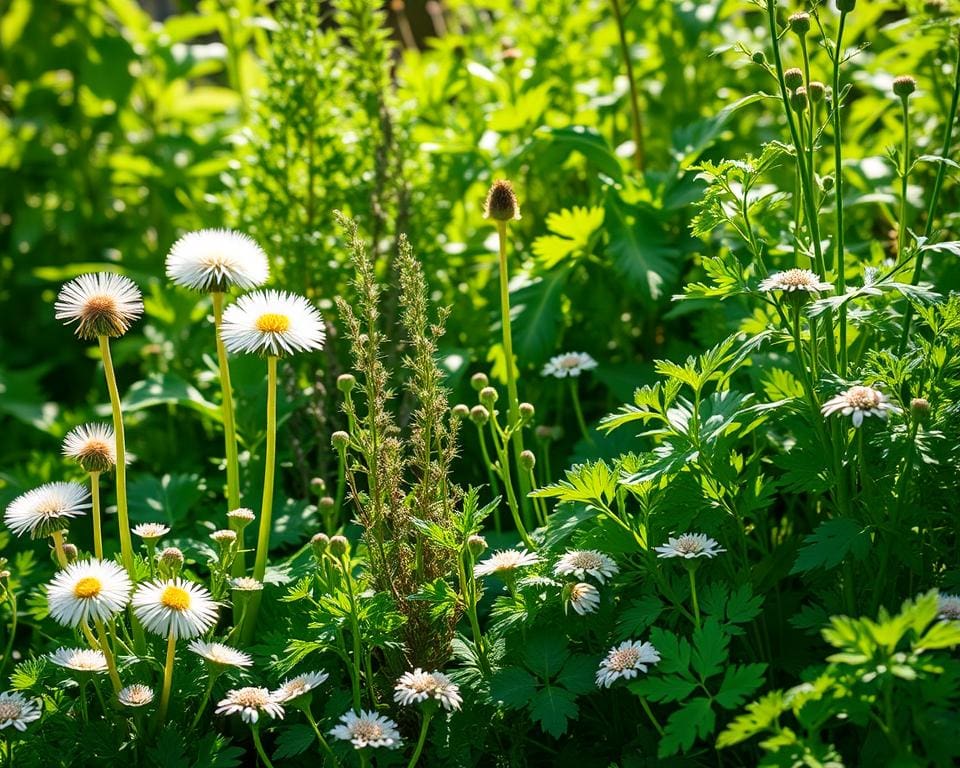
(584,598)
(88,589)
(80,659)
(272,323)
(249,703)
(220,654)
(625,660)
(795,280)
(17,710)
(46,509)
(216,260)
(174,607)
(414,687)
(92,446)
(690,545)
(241,516)
(505,560)
(860,401)
(295,687)
(102,304)
(538,582)
(569,364)
(368,729)
(224,537)
(584,562)
(948,606)
(246,584)
(136,695)
(151,531)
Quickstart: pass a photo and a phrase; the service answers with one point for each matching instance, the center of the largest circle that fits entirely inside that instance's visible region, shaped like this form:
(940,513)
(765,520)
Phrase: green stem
(58,548)
(650,715)
(205,700)
(691,570)
(469,589)
(904,179)
(167,681)
(108,655)
(579,411)
(255,730)
(427,716)
(354,631)
(323,742)
(8,648)
(636,122)
(97,530)
(838,192)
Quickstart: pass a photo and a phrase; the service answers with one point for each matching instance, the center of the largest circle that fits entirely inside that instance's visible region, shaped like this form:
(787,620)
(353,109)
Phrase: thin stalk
(97,530)
(58,547)
(636,116)
(167,680)
(8,648)
(838,192)
(469,590)
(427,716)
(354,631)
(650,715)
(579,412)
(693,596)
(206,698)
(904,179)
(255,730)
(491,475)
(108,655)
(323,742)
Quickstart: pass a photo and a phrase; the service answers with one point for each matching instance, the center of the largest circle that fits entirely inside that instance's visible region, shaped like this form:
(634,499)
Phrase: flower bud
(241,518)
(318,485)
(799,24)
(346,382)
(543,432)
(340,440)
(70,551)
(488,396)
(479,415)
(224,537)
(935,8)
(827,182)
(501,204)
(920,409)
(759,58)
(526,412)
(528,460)
(477,545)
(817,91)
(479,380)
(798,99)
(793,78)
(845,6)
(320,543)
(171,561)
(460,411)
(903,86)
(339,546)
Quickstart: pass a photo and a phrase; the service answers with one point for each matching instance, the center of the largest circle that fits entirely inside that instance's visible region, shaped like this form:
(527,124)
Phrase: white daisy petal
(367,729)
(417,686)
(584,598)
(272,323)
(295,687)
(586,562)
(505,560)
(136,695)
(46,509)
(17,711)
(174,607)
(101,304)
(860,402)
(80,659)
(249,703)
(88,590)
(220,655)
(795,280)
(92,446)
(216,260)
(626,661)
(690,545)
(569,364)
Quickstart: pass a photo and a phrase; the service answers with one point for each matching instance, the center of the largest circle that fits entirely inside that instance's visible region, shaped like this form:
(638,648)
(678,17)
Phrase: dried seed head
(799,24)
(904,85)
(479,415)
(793,78)
(501,202)
(479,380)
(817,91)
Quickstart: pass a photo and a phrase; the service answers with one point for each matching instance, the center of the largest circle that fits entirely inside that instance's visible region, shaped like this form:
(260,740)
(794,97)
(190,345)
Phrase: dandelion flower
(174,607)
(136,695)
(46,509)
(689,546)
(504,560)
(17,710)
(214,260)
(626,660)
(221,655)
(948,607)
(80,659)
(795,280)
(584,598)
(861,402)
(151,531)
(88,589)
(102,304)
(295,687)
(246,584)
(92,446)
(569,364)
(417,686)
(367,729)
(249,703)
(272,323)
(586,562)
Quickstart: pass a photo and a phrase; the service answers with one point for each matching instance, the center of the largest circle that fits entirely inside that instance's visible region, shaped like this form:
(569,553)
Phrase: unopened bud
(70,551)
(527,460)
(320,543)
(326,503)
(817,91)
(241,518)
(477,545)
(904,85)
(526,412)
(346,382)
(488,396)
(845,6)
(827,183)
(798,99)
(759,58)
(224,537)
(339,546)
(479,380)
(793,78)
(543,432)
(340,440)
(920,408)
(171,561)
(799,24)
(318,485)
(501,204)
(479,415)
(460,411)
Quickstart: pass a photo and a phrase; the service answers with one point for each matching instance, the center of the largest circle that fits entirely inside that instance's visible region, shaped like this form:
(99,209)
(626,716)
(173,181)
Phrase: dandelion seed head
(101,304)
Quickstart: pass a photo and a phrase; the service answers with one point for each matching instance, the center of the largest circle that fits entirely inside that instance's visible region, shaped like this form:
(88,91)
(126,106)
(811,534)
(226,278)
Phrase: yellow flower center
(271,322)
(175,598)
(88,586)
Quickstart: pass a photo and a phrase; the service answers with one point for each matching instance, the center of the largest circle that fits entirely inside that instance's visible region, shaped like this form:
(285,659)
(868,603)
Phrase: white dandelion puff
(626,661)
(569,364)
(92,446)
(417,686)
(101,304)
(586,562)
(250,703)
(214,260)
(860,402)
(505,560)
(220,655)
(272,323)
(88,590)
(689,546)
(17,711)
(174,607)
(46,509)
(367,729)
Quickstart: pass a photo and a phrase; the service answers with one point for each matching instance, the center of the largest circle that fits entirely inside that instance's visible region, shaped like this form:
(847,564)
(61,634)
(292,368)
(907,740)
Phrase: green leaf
(537,314)
(760,716)
(695,718)
(166,499)
(579,674)
(167,389)
(638,247)
(513,686)
(830,543)
(589,143)
(553,707)
(674,652)
(573,229)
(738,683)
(709,648)
(545,652)
(663,688)
(743,605)
(594,482)
(293,741)
(441,596)
(641,614)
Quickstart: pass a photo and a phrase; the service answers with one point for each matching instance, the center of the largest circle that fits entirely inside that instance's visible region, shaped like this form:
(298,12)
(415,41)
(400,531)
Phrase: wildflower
(295,687)
(339,546)
(417,686)
(903,86)
(88,590)
(17,710)
(690,545)
(367,729)
(340,440)
(272,323)
(246,584)
(860,401)
(586,562)
(102,304)
(215,260)
(171,560)
(948,607)
(479,415)
(136,695)
(92,446)
(626,660)
(569,364)
(501,203)
(527,460)
(224,537)
(584,598)
(249,703)
(479,380)
(45,510)
(538,581)
(241,517)
(174,607)
(80,659)
(504,560)
(150,531)
(220,655)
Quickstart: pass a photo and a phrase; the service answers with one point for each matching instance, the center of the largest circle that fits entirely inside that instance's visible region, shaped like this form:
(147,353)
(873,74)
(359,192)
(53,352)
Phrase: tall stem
(691,570)
(354,631)
(97,530)
(427,716)
(904,179)
(255,730)
(323,742)
(579,412)
(167,680)
(838,192)
(123,517)
(58,547)
(108,655)
(639,155)
(226,409)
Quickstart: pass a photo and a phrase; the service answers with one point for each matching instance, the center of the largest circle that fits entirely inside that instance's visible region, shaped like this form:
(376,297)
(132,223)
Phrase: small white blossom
(860,402)
(216,260)
(690,545)
(948,607)
(150,531)
(220,654)
(174,606)
(367,729)
(570,364)
(88,590)
(272,323)
(586,562)
(417,686)
(584,598)
(295,687)
(136,695)
(46,509)
(504,560)
(79,659)
(101,304)
(17,710)
(625,661)
(249,703)
(92,446)
(795,280)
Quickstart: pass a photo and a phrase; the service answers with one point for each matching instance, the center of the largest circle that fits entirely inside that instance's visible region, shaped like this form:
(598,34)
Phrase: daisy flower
(272,323)
(948,607)
(136,695)
(586,562)
(88,589)
(102,304)
(92,446)
(584,598)
(861,402)
(221,655)
(151,531)
(626,660)
(569,364)
(367,729)
(795,280)
(214,260)
(46,509)
(17,710)
(295,687)
(690,545)
(80,659)
(246,584)
(249,703)
(174,607)
(414,687)
(504,560)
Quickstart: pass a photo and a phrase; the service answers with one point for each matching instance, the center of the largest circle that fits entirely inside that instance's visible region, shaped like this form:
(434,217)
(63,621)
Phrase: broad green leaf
(579,674)
(587,142)
(538,312)
(638,616)
(709,648)
(738,683)
(545,652)
(553,707)
(513,686)
(695,719)
(664,688)
(830,543)
(743,605)
(293,740)
(638,247)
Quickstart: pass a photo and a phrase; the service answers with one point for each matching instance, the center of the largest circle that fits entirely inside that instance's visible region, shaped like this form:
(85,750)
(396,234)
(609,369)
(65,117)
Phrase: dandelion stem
(97,530)
(229,424)
(255,730)
(167,680)
(579,411)
(58,547)
(427,717)
(108,655)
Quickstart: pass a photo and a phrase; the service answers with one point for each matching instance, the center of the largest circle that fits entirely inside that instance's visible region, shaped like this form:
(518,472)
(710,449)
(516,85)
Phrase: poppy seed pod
(793,78)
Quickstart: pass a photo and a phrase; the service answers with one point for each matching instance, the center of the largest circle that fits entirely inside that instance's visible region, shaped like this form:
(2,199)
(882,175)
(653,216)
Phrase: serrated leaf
(674,652)
(663,688)
(830,543)
(638,247)
(293,740)
(738,683)
(579,674)
(760,715)
(553,707)
(709,648)
(513,686)
(695,719)
(640,614)
(743,605)
(545,652)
